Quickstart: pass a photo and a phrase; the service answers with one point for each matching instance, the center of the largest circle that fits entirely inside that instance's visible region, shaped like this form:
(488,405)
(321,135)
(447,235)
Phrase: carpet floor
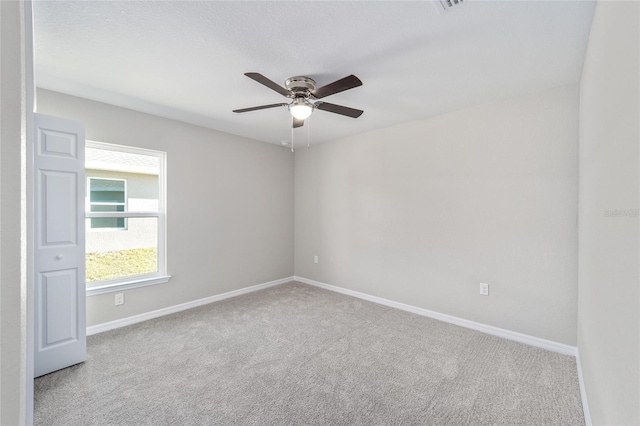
(299,355)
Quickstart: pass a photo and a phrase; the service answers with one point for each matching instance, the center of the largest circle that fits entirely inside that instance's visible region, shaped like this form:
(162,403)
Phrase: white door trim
(28,212)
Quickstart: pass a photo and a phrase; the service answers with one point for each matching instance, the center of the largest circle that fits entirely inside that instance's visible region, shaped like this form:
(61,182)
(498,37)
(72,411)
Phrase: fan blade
(297,123)
(339,109)
(341,85)
(270,84)
(259,107)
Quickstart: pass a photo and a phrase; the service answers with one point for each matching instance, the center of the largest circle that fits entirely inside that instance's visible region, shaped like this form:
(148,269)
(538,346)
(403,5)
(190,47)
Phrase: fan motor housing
(300,84)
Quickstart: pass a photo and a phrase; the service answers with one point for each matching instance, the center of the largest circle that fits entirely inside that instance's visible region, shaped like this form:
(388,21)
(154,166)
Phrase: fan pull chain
(291,138)
(308,131)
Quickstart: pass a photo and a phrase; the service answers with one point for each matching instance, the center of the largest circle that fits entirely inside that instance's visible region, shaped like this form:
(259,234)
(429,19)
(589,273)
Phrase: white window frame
(161,275)
(88,204)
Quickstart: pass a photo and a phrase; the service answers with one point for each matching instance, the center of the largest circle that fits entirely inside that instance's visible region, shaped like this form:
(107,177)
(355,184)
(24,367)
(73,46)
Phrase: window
(107,195)
(125,217)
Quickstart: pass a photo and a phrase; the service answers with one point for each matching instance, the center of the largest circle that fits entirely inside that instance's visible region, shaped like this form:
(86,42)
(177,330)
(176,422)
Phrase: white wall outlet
(315,259)
(119,299)
(484,289)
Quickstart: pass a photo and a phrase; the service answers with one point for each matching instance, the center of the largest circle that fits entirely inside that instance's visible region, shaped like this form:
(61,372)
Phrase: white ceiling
(185,59)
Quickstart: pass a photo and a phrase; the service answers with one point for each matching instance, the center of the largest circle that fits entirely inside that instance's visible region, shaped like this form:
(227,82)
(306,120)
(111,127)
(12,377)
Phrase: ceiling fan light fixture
(300,89)
(301,108)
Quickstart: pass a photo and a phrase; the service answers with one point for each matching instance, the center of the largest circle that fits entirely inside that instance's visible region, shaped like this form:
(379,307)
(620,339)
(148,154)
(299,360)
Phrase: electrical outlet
(119,299)
(484,289)
(315,259)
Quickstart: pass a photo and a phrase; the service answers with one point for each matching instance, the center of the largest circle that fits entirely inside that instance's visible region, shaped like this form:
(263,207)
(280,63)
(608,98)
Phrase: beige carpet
(298,355)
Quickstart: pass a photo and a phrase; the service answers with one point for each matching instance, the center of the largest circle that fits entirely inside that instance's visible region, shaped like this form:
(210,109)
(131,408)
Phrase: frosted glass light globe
(300,108)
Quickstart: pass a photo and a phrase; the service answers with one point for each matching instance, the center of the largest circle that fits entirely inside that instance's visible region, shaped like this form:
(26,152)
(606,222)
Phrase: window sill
(126,285)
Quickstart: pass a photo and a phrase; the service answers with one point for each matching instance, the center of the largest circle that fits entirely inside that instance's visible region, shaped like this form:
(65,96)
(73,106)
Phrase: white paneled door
(59,189)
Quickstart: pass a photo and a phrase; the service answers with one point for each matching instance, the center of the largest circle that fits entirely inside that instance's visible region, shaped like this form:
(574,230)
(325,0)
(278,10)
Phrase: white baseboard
(123,322)
(583,391)
(495,331)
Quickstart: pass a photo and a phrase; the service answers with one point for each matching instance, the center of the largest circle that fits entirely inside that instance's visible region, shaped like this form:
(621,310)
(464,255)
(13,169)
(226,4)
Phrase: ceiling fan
(304,94)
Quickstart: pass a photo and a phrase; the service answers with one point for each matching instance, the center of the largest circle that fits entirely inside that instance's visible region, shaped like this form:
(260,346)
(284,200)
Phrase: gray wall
(423,212)
(229,205)
(13,320)
(608,307)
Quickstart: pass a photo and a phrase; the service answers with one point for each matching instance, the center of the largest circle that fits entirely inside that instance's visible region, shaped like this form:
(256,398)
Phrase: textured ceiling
(185,59)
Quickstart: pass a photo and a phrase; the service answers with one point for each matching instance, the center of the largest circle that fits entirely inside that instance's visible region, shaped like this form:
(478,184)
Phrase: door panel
(59,185)
(59,192)
(59,296)
(57,143)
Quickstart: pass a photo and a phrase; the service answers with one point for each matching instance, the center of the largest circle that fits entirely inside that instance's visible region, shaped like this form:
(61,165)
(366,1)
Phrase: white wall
(609,281)
(13,320)
(423,212)
(229,205)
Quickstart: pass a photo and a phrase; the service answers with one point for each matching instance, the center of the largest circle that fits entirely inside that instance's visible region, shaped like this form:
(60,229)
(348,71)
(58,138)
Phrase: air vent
(444,5)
